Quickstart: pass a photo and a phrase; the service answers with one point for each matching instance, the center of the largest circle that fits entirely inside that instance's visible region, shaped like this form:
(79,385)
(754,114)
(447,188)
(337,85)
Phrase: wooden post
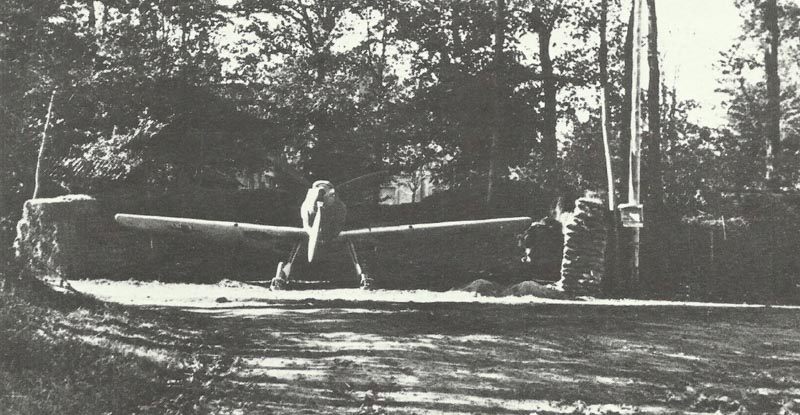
(711,255)
(607,152)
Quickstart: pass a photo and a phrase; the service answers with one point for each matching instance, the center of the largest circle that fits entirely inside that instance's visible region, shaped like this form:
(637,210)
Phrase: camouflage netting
(74,237)
(535,289)
(584,248)
(69,237)
(749,254)
(583,260)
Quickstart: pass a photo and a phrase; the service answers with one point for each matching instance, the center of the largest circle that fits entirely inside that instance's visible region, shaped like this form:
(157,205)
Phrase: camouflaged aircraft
(323,216)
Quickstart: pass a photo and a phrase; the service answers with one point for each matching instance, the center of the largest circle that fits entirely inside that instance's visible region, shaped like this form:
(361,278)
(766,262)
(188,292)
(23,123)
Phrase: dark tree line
(146,90)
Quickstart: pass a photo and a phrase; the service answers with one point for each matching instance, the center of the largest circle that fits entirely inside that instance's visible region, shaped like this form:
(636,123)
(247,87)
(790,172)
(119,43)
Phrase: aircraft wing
(518,224)
(225,231)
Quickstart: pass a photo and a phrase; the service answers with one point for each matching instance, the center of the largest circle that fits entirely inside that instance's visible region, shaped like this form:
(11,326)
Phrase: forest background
(147,97)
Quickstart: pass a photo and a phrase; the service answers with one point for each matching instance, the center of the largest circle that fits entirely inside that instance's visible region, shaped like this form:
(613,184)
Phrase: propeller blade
(313,234)
(361,181)
(287,169)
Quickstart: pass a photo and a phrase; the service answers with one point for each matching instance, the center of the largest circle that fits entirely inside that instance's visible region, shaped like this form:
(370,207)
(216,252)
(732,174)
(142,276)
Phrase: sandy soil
(353,351)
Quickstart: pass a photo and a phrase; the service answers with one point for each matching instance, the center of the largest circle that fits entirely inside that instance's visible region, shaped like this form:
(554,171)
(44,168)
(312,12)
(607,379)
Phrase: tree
(653,169)
(498,87)
(451,93)
(627,100)
(42,50)
(543,22)
(773,122)
(154,60)
(602,61)
(654,182)
(332,97)
(612,245)
(761,105)
(417,163)
(563,73)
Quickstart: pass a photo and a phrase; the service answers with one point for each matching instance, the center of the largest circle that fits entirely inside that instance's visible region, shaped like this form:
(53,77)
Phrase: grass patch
(83,361)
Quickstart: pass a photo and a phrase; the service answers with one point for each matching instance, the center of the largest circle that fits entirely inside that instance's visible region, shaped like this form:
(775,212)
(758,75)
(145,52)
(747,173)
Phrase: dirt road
(384,352)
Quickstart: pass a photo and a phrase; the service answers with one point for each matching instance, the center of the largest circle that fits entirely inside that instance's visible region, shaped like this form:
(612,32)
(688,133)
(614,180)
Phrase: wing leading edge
(226,231)
(517,224)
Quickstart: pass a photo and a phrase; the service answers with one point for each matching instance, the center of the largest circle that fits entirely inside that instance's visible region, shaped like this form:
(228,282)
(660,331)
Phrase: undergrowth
(51,364)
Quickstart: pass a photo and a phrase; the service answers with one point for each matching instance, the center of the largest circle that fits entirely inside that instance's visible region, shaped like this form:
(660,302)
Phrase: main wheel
(280,281)
(366,282)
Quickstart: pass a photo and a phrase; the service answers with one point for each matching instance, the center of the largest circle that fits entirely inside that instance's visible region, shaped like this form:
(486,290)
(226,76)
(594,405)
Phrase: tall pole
(40,158)
(604,105)
(635,165)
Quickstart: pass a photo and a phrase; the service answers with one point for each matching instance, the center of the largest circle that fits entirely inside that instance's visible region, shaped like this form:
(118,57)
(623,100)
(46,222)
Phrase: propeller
(361,181)
(362,189)
(288,171)
(351,190)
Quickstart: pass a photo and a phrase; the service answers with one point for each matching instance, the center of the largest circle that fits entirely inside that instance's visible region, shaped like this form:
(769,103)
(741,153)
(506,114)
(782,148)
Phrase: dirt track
(316,355)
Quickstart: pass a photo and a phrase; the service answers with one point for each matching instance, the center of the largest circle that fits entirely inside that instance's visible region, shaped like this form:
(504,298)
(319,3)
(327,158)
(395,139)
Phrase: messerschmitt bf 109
(323,215)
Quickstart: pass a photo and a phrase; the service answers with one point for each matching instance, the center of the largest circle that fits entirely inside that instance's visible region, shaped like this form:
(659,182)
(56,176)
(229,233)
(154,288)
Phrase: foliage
(341,87)
(742,79)
(112,159)
(158,96)
(47,366)
(109,62)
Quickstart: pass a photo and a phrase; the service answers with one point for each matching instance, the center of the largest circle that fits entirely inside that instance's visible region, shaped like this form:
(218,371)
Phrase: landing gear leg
(282,274)
(366,281)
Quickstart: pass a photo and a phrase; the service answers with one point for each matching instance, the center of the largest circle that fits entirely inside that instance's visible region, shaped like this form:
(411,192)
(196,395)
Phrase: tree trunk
(93,33)
(604,109)
(625,235)
(549,142)
(497,81)
(612,246)
(455,30)
(40,158)
(103,21)
(625,111)
(382,67)
(773,126)
(92,18)
(654,183)
(671,130)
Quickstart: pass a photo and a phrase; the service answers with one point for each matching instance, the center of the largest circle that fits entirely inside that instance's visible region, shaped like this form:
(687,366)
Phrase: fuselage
(323,205)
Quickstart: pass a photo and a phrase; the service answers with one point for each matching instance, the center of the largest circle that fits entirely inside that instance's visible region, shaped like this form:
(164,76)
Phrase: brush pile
(582,267)
(70,237)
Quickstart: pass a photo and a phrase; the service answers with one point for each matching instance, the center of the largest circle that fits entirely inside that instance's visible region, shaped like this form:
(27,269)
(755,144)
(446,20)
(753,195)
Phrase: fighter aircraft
(323,216)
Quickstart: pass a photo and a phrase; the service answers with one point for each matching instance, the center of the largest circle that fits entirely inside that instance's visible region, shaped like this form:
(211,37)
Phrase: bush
(46,367)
